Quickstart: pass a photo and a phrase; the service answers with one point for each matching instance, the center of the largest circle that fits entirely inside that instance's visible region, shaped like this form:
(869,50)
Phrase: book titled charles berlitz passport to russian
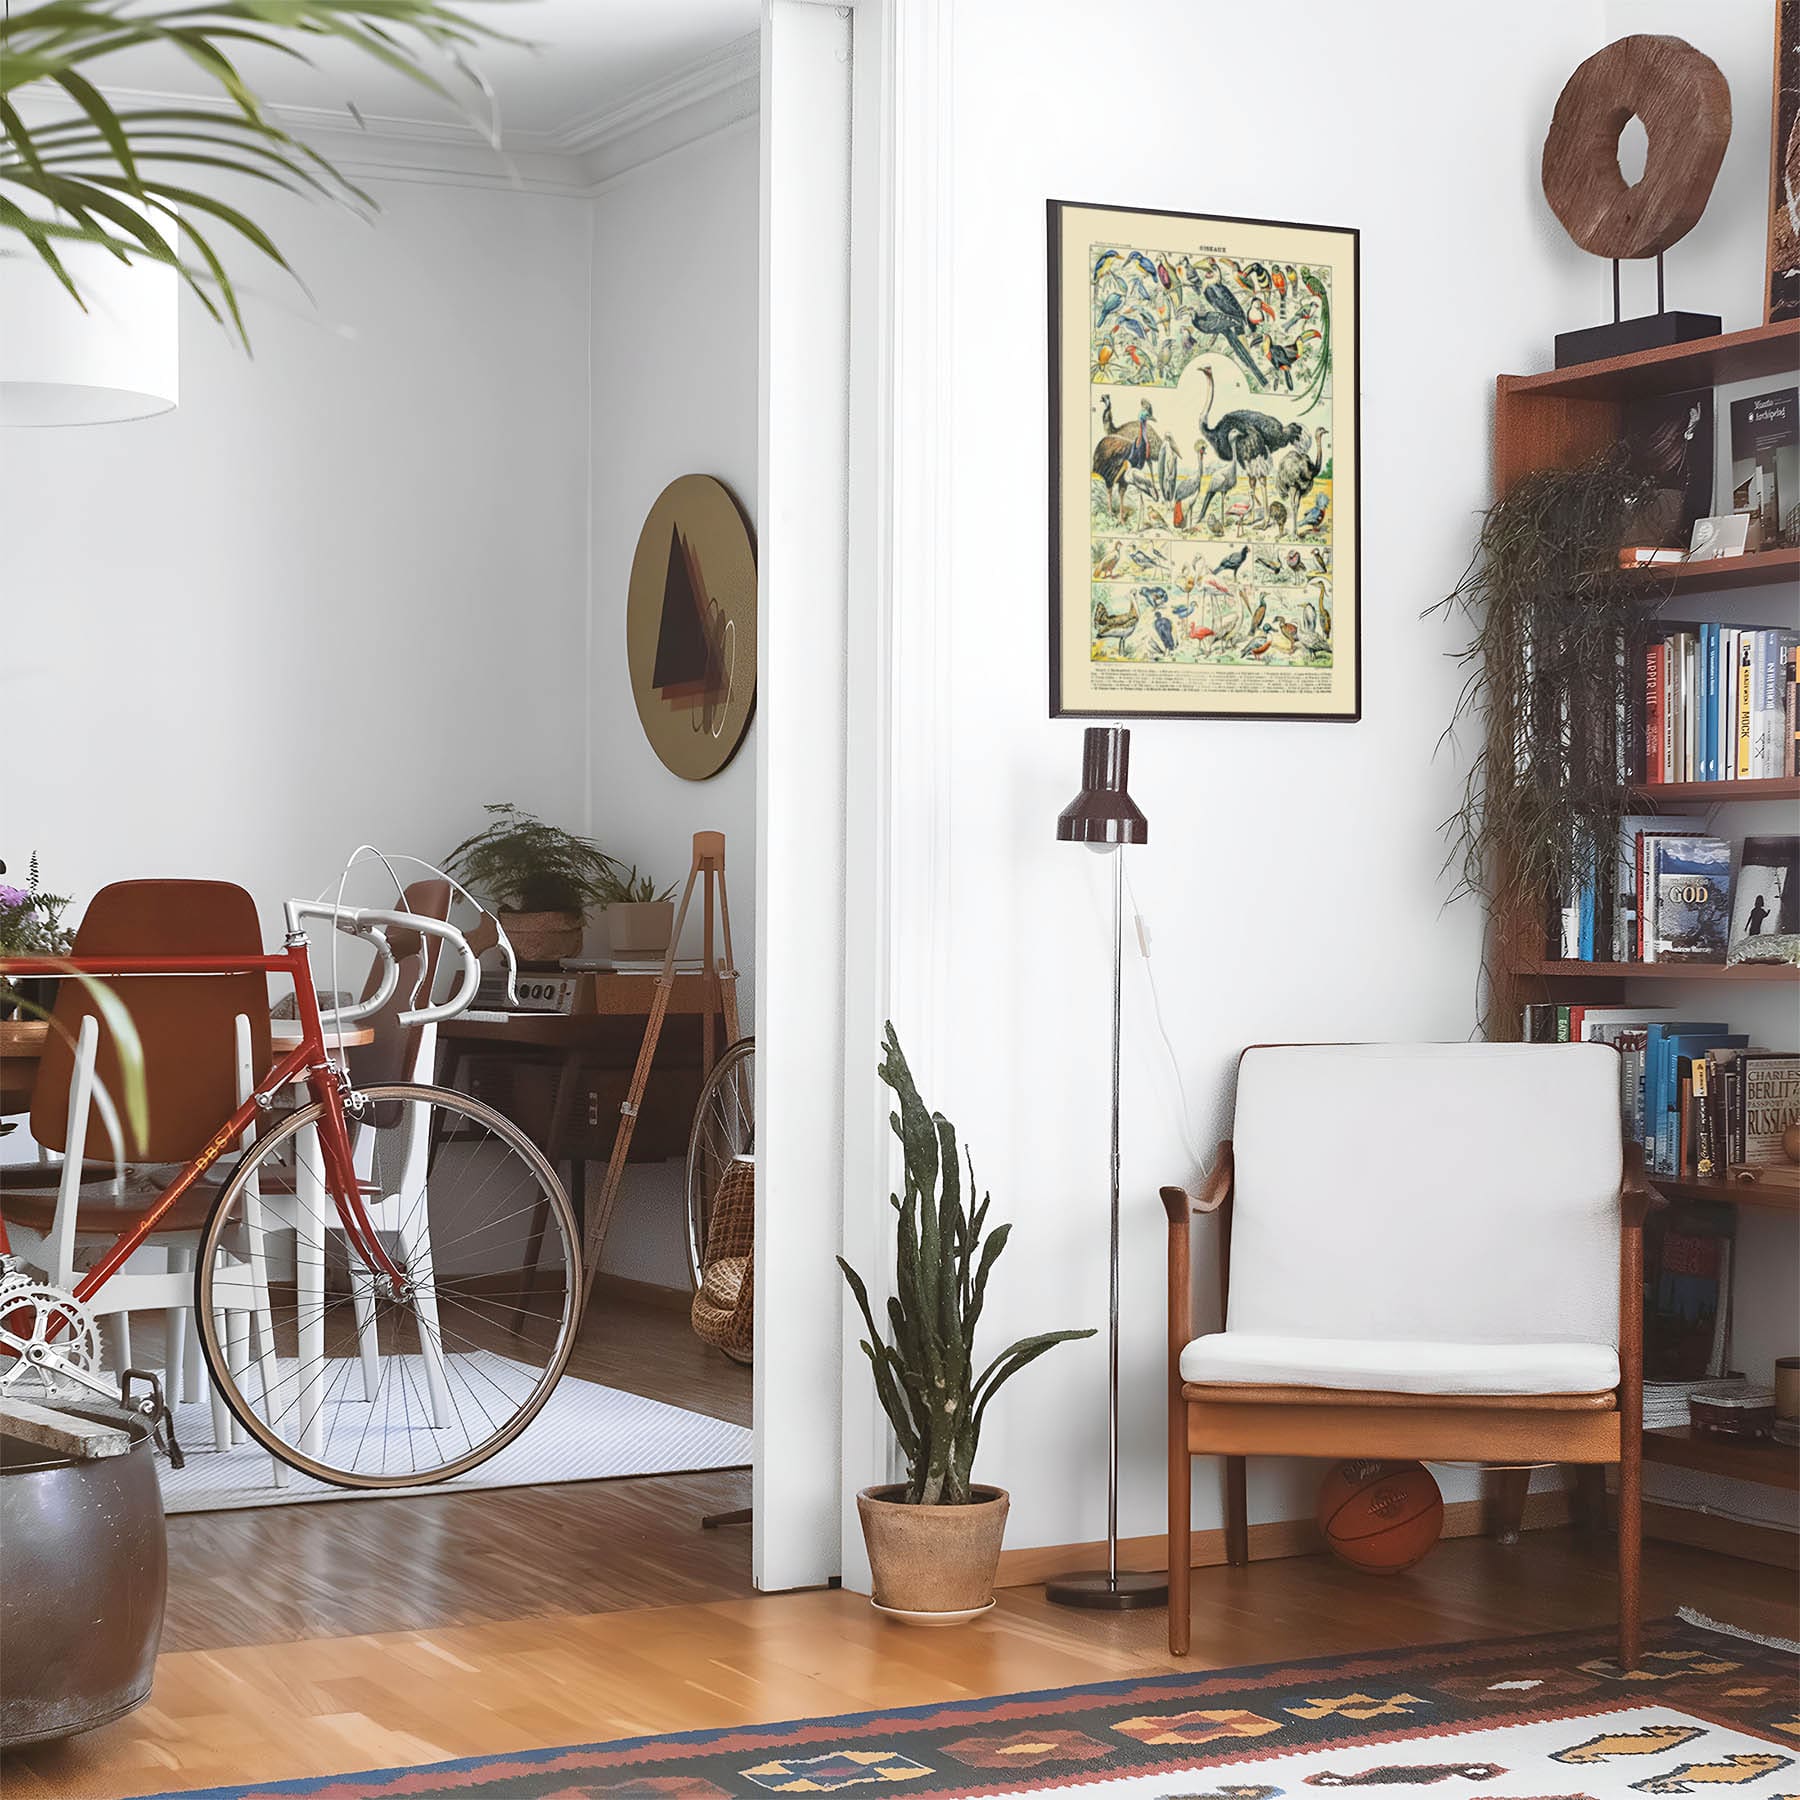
(1771,1102)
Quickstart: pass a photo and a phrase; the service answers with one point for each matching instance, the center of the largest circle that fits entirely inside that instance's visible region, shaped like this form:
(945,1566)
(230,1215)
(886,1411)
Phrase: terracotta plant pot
(933,1564)
(541,940)
(640,928)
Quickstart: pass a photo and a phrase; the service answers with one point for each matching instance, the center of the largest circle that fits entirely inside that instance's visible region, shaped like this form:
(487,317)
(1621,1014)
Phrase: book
(1687,1302)
(1669,438)
(1688,881)
(1768,701)
(1766,897)
(1632,830)
(1765,458)
(1768,1103)
(1741,757)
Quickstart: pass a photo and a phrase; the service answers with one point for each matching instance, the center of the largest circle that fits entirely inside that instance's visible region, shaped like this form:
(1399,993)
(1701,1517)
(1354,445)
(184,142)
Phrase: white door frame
(853,854)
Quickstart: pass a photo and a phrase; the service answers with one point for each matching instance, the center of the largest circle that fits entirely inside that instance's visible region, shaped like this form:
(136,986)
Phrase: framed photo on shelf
(1783,297)
(1204,466)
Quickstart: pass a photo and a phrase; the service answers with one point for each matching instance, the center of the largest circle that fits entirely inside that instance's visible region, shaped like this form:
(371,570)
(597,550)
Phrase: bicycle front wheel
(358,1379)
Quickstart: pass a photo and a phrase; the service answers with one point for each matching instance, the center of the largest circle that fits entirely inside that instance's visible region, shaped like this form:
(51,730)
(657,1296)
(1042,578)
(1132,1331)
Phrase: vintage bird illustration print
(1210,402)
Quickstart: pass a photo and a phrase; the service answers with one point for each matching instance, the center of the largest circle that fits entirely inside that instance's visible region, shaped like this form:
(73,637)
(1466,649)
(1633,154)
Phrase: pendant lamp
(59,365)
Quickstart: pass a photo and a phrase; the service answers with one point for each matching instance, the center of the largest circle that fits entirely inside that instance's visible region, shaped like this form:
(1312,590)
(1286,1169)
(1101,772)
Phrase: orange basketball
(1380,1517)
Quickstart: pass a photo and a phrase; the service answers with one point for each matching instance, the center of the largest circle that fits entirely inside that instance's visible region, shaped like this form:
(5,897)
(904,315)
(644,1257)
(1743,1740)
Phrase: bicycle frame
(309,1060)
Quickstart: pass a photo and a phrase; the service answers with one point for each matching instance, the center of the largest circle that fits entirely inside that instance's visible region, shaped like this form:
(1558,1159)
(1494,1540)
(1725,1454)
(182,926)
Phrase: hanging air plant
(1549,679)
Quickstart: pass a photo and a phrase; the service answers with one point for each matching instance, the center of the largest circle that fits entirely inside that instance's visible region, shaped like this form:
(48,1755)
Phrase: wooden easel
(720,977)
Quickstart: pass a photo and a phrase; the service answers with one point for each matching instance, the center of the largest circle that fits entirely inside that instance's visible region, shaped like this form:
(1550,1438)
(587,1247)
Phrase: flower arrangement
(30,925)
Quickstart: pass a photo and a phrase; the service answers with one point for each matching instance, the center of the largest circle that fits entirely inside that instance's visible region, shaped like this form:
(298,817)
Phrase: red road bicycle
(387,1281)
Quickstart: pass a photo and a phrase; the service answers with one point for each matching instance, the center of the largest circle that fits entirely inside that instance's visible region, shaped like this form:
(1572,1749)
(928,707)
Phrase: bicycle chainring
(34,1312)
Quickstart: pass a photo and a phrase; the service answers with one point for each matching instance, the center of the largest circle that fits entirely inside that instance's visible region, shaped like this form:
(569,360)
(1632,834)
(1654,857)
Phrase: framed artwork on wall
(1204,469)
(1783,301)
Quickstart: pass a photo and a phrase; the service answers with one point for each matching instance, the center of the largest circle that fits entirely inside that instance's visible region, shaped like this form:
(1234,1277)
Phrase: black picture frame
(1344,702)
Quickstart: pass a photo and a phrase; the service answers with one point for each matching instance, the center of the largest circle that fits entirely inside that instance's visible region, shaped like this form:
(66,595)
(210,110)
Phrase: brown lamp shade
(1103,812)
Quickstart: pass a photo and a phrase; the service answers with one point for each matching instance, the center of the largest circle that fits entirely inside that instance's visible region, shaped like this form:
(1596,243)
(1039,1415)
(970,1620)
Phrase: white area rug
(586,1432)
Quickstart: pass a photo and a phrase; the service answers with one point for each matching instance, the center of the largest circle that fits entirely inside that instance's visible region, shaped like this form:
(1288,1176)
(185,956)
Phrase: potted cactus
(934,1539)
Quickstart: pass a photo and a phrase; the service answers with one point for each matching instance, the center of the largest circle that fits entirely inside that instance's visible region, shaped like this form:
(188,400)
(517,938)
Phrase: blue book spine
(1650,1098)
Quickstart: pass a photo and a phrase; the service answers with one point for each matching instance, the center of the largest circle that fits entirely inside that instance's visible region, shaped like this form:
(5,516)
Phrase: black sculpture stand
(1625,337)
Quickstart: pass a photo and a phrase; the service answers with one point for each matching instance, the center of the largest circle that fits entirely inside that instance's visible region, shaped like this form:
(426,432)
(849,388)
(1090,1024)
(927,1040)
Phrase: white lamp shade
(61,366)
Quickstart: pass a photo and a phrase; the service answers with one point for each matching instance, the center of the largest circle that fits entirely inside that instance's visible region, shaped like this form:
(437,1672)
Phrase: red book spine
(1653,714)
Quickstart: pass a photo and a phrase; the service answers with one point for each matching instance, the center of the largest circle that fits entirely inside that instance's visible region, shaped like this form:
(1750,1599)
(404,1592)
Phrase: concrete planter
(640,928)
(542,939)
(81,1607)
(933,1565)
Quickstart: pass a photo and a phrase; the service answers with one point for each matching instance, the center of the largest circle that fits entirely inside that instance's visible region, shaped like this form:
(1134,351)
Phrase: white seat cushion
(1393,1366)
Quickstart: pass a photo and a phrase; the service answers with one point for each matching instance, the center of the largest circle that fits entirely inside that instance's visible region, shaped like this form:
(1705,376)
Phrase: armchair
(1428,1251)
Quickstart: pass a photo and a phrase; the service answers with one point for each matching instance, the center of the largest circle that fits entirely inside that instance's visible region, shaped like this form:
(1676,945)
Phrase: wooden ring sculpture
(1684,102)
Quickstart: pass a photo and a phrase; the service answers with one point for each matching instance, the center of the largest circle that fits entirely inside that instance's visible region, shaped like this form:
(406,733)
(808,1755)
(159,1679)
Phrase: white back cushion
(1456,1192)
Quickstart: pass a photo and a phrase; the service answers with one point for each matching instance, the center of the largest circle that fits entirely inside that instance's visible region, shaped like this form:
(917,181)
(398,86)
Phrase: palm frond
(121,179)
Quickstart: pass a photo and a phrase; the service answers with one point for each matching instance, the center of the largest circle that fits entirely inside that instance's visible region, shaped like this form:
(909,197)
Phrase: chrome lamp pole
(1105,818)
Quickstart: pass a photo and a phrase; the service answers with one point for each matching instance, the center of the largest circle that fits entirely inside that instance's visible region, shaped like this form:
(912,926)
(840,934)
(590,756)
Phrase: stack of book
(1678,894)
(1718,705)
(1697,1095)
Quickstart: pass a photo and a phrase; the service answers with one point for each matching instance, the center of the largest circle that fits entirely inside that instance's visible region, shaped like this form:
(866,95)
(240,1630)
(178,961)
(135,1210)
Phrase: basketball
(1380,1517)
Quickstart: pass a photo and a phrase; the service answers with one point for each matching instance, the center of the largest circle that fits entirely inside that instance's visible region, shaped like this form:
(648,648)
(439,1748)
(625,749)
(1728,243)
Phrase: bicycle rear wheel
(348,1376)
(724,1127)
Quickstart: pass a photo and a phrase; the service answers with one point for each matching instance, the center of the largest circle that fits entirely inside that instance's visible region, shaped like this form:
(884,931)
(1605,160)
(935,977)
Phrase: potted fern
(542,879)
(934,1539)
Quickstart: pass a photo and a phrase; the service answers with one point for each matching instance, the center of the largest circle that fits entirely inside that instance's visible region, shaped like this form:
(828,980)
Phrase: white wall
(1292,879)
(674,344)
(377,528)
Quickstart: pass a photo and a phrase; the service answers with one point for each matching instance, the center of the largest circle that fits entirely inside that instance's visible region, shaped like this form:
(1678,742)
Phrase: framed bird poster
(1204,474)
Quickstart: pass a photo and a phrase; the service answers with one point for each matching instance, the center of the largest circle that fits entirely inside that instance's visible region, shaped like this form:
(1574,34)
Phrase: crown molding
(709,95)
(729,74)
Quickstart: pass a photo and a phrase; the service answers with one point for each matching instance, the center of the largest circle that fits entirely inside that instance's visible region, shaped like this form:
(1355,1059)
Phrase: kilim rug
(1543,1718)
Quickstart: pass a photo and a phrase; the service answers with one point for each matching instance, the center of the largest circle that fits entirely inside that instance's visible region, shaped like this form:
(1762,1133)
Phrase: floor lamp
(1104,817)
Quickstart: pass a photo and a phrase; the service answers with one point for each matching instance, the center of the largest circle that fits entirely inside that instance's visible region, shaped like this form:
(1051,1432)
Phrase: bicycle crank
(47,1335)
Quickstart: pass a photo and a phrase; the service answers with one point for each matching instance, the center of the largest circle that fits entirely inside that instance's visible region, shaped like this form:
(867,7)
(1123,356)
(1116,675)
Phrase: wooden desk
(561,1077)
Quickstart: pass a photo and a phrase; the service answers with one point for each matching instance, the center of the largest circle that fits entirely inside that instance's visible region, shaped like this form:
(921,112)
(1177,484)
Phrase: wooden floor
(334,1568)
(336,1704)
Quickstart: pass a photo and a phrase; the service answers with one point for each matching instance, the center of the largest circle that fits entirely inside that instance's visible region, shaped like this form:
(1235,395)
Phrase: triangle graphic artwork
(688,670)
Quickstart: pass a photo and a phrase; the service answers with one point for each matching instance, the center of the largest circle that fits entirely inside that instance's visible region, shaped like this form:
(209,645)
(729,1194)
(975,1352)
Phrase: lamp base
(1096,1591)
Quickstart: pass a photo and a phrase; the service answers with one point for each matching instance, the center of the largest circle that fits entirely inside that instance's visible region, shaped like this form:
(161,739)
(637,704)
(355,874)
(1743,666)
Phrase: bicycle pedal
(156,1409)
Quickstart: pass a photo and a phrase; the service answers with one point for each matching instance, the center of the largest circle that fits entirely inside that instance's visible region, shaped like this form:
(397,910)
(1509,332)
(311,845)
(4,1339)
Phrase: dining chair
(1425,1251)
(203,1041)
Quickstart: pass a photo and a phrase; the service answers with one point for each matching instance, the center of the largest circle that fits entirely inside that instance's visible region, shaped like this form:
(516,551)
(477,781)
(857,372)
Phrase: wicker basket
(722,1312)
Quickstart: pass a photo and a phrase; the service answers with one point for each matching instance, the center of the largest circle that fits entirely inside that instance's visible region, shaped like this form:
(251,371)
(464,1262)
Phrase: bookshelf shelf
(1656,971)
(1769,1198)
(1764,350)
(1758,1460)
(1757,568)
(1778,787)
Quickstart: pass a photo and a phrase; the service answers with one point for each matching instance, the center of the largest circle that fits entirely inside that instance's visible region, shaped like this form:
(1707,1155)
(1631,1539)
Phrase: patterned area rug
(1545,1718)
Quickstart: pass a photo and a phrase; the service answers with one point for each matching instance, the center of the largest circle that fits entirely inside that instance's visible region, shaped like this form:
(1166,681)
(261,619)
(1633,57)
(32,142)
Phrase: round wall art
(690,626)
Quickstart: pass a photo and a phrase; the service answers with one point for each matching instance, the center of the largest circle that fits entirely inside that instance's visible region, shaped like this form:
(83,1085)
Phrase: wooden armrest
(1179,1204)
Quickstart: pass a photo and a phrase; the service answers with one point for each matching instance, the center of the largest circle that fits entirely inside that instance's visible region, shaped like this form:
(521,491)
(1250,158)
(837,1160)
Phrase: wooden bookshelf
(1559,420)
(1743,1459)
(1551,970)
(1763,350)
(1765,1197)
(1712,793)
(1756,568)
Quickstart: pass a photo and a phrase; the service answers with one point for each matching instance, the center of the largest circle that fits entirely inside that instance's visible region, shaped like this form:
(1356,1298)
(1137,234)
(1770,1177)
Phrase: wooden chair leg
(1506,1502)
(1181,1535)
(1590,1500)
(1237,1513)
(1630,1553)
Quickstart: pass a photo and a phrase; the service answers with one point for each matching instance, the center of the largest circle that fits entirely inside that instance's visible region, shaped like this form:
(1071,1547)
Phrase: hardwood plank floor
(332,1569)
(326,1706)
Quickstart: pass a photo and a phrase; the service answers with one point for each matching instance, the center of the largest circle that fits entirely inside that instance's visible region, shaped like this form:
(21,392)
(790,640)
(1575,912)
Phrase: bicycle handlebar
(373,925)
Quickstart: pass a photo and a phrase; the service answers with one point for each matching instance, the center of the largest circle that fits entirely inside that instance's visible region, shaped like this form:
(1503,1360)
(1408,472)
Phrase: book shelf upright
(1558,420)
